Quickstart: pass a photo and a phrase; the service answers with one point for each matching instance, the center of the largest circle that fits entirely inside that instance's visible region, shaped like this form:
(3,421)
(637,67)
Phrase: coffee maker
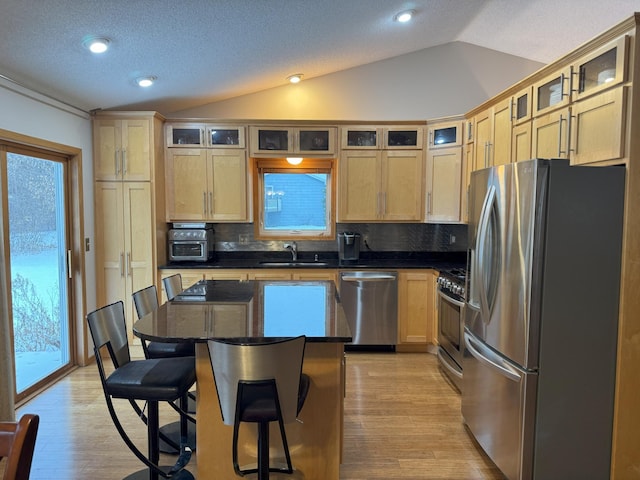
(348,247)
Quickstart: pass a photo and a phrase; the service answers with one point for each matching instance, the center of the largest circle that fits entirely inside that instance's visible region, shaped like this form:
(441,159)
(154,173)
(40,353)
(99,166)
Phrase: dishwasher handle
(369,278)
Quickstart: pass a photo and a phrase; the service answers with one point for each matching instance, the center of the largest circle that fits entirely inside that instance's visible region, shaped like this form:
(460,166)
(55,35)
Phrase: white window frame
(280,165)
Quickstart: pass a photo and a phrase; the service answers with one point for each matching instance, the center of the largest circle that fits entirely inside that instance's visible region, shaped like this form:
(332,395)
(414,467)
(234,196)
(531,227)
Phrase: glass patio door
(38,231)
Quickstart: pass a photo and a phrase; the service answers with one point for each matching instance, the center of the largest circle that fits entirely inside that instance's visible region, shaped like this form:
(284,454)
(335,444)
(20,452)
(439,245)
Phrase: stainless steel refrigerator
(541,317)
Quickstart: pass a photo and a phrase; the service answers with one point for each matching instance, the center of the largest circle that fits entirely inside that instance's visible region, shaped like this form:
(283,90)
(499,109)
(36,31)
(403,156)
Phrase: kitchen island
(254,311)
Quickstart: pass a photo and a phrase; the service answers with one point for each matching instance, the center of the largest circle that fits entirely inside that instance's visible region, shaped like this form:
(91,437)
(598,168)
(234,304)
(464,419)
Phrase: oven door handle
(446,297)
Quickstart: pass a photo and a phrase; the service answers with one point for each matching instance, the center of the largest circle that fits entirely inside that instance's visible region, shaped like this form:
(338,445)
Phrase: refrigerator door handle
(485,218)
(487,357)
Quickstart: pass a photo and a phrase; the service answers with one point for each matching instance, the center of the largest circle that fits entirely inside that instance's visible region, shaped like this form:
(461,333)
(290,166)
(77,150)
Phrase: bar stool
(260,383)
(146,301)
(150,380)
(172,285)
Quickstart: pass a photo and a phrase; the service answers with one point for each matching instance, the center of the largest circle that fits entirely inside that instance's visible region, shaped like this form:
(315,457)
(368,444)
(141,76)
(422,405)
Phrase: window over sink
(294,201)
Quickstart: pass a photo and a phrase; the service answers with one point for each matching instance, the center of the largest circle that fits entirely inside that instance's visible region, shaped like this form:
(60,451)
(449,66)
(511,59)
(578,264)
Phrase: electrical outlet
(452,239)
(87,244)
(243,238)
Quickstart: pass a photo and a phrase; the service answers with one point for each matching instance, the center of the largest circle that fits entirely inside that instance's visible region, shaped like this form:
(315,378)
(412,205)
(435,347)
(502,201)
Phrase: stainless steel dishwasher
(370,302)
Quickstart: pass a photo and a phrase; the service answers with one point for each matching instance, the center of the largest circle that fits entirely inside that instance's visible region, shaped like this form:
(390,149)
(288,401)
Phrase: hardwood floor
(402,421)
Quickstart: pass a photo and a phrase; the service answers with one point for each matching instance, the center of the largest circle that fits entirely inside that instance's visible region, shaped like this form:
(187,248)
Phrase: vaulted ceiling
(203,51)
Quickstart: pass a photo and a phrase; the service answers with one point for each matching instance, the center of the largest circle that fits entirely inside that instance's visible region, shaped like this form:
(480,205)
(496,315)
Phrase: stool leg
(263,450)
(152,436)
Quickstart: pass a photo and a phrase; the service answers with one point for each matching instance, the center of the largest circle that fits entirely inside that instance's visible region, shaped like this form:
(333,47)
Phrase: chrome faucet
(293,246)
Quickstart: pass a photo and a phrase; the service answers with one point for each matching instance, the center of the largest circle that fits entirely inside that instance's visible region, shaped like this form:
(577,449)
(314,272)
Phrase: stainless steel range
(451,291)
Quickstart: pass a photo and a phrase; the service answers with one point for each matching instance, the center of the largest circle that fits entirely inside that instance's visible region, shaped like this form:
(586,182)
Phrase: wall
(446,80)
(28,113)
(380,237)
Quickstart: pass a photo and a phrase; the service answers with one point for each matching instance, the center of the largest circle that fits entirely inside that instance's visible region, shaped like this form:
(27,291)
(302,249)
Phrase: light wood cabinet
(444,134)
(216,274)
(500,148)
(207,184)
(482,140)
(417,326)
(467,169)
(381,186)
(550,135)
(552,92)
(191,276)
(127,153)
(404,137)
(597,128)
(521,142)
(600,69)
(122,148)
(124,235)
(204,135)
(521,105)
(444,184)
(274,141)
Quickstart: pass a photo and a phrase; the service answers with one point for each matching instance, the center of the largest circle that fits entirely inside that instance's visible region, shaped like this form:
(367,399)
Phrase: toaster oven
(191,242)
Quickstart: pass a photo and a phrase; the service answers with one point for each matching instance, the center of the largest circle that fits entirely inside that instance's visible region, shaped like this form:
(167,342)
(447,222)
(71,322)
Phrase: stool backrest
(172,285)
(146,300)
(280,360)
(108,327)
(17,443)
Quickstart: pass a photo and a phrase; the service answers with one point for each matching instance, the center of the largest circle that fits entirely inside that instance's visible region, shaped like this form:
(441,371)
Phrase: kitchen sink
(289,263)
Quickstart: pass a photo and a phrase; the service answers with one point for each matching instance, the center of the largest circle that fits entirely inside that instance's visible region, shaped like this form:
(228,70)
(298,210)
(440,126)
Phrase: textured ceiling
(204,51)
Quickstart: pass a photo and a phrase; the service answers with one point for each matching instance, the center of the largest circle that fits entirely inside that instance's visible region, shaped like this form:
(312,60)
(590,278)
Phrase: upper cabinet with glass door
(601,69)
(205,135)
(553,91)
(361,138)
(521,106)
(377,138)
(274,141)
(403,138)
(445,135)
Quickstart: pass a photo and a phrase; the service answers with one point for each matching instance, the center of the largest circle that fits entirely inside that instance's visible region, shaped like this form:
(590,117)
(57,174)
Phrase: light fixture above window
(96,44)
(295,78)
(294,160)
(146,81)
(404,17)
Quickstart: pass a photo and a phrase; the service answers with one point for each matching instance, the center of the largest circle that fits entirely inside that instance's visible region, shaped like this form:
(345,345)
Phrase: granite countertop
(249,311)
(327,260)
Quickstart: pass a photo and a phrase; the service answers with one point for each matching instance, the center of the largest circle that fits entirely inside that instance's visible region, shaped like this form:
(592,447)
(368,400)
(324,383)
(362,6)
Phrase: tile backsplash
(382,237)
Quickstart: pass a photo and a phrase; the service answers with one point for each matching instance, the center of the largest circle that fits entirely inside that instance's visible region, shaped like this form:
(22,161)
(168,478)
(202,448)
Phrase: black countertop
(368,260)
(249,311)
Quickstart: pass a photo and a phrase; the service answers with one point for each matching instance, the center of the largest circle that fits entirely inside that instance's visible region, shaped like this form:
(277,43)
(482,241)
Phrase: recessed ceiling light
(97,44)
(405,16)
(146,81)
(295,78)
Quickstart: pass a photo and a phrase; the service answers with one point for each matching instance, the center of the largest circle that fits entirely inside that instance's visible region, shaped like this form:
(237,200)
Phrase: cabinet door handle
(204,203)
(128,264)
(202,138)
(511,110)
(124,161)
(115,161)
(560,151)
(210,203)
(569,143)
(384,203)
(430,137)
(429,202)
(121,264)
(563,78)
